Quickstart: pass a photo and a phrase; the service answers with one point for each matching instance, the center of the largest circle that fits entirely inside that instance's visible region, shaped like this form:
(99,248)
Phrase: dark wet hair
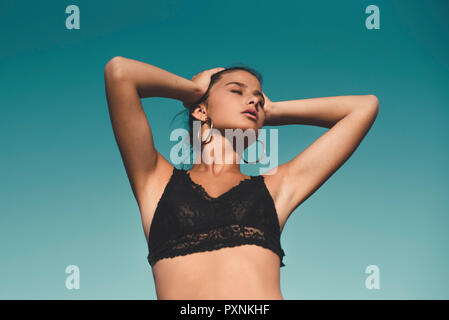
(187,113)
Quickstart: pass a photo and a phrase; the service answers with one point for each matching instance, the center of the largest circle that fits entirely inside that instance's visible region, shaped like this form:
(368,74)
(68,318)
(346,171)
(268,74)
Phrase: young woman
(214,233)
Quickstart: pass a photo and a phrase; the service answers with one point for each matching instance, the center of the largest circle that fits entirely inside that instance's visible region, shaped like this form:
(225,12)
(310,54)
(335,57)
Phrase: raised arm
(349,119)
(126,82)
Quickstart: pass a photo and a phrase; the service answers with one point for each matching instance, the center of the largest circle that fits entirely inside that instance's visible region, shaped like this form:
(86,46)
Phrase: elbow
(373,101)
(373,104)
(113,69)
(368,107)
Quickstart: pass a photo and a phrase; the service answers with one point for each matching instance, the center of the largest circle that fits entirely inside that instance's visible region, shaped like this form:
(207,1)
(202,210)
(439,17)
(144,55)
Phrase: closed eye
(240,92)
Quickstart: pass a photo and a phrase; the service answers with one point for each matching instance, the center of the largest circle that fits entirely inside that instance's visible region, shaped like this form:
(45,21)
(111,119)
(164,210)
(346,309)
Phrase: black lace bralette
(188,220)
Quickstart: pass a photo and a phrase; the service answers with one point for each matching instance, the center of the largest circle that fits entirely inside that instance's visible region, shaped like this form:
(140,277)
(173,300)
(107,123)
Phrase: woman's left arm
(349,119)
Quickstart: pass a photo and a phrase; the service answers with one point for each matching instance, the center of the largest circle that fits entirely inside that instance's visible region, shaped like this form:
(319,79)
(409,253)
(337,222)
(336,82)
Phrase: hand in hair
(202,80)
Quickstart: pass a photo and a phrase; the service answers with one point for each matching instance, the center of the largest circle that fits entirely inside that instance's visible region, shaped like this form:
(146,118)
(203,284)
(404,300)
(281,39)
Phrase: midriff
(245,272)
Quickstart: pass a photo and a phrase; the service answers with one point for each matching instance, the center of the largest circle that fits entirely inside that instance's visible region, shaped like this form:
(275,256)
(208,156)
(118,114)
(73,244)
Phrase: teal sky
(64,195)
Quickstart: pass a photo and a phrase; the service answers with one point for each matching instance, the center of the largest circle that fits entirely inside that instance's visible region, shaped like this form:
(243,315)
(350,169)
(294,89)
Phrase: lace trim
(200,189)
(217,246)
(228,236)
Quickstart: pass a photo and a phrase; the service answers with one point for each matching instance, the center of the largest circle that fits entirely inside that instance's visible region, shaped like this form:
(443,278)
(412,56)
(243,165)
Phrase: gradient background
(65,197)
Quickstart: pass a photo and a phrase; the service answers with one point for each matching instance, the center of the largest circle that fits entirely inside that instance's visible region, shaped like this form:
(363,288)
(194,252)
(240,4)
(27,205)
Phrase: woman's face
(228,100)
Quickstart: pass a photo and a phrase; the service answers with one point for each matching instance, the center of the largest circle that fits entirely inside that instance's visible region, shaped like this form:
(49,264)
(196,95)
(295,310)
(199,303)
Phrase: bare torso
(241,272)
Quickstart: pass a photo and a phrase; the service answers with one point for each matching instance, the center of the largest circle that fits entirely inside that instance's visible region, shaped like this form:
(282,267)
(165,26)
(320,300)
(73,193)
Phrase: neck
(219,155)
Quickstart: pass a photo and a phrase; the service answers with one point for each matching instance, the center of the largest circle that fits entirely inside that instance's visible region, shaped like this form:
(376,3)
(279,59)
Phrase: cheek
(221,114)
(228,110)
(222,111)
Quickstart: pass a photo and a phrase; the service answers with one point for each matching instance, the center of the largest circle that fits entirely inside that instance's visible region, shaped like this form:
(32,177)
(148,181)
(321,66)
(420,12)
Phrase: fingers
(213,70)
(210,71)
(217,69)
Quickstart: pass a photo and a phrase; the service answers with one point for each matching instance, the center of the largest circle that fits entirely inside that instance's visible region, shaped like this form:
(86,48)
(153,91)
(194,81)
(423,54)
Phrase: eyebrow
(256,92)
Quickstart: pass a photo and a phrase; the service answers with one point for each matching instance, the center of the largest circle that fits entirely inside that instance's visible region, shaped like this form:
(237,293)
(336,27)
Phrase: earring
(257,159)
(209,135)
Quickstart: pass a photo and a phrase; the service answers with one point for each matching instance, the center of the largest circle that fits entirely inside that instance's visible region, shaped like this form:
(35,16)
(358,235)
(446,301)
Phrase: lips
(251,113)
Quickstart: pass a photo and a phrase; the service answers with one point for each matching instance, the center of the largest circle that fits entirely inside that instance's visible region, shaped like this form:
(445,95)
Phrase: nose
(254,102)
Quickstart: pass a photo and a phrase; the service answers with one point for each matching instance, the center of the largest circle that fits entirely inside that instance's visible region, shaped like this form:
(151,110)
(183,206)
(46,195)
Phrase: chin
(242,124)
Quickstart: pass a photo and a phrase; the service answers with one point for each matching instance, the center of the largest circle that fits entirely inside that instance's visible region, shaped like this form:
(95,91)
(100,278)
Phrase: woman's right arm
(126,82)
